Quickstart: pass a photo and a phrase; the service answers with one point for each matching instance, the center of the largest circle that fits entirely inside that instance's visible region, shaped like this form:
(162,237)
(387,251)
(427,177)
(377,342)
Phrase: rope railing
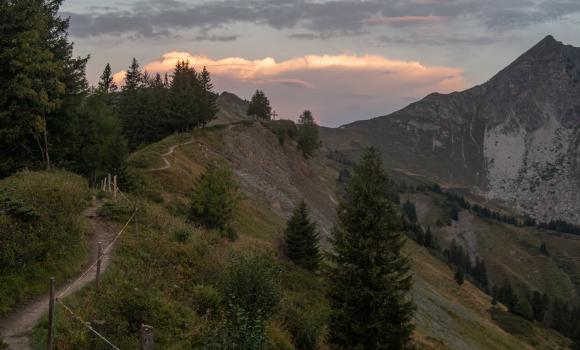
(87,324)
(106,251)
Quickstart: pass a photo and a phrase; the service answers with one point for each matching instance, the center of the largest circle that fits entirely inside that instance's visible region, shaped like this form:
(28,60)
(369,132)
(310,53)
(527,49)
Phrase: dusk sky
(344,60)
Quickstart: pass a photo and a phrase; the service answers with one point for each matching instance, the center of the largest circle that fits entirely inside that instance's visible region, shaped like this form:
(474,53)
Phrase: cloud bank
(153,18)
(333,86)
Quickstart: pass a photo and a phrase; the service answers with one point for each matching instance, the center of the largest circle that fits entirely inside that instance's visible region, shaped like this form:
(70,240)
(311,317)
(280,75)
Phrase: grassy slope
(510,252)
(157,279)
(52,244)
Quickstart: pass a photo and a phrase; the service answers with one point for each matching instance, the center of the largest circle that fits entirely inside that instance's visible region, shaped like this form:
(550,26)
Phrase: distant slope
(275,178)
(231,109)
(514,138)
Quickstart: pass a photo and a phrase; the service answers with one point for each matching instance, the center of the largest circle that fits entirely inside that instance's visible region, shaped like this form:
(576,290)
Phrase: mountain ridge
(512,139)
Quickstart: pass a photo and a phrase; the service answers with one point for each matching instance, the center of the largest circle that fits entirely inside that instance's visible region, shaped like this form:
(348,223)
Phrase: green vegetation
(41,232)
(308,139)
(252,294)
(301,239)
(259,106)
(369,276)
(214,199)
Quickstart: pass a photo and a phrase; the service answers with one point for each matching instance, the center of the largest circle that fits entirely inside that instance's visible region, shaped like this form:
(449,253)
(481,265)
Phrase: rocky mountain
(513,139)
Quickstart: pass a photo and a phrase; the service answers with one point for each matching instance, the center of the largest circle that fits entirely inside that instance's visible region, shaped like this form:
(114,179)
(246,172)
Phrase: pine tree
(184,97)
(308,138)
(259,106)
(133,77)
(208,105)
(301,239)
(459,276)
(41,84)
(455,214)
(131,108)
(429,239)
(369,277)
(214,199)
(107,84)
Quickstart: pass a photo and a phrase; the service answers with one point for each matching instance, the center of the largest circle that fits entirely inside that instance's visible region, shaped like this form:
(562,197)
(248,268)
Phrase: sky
(344,60)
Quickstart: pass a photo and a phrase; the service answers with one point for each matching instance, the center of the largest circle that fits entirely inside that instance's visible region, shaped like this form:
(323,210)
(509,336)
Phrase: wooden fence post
(51,315)
(99,260)
(147,341)
(115,188)
(109,183)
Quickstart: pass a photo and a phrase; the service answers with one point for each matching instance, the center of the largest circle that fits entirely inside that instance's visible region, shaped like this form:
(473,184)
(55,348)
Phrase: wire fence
(106,251)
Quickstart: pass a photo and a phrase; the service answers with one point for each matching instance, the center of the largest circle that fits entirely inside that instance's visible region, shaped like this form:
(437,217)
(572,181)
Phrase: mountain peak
(546,47)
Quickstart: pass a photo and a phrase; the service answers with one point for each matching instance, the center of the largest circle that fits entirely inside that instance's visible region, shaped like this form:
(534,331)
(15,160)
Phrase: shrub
(252,290)
(182,235)
(283,129)
(207,300)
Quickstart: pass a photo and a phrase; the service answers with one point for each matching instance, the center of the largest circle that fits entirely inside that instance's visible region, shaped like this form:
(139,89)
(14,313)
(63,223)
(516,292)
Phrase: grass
(170,282)
(50,243)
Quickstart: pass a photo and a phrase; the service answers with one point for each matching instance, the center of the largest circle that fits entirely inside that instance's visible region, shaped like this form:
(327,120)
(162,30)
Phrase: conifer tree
(259,106)
(208,106)
(308,138)
(459,276)
(106,83)
(429,239)
(369,277)
(301,239)
(214,199)
(184,95)
(41,83)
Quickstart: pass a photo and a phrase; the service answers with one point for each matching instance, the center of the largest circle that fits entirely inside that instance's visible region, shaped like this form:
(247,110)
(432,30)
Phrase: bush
(120,211)
(252,291)
(306,325)
(283,129)
(207,300)
(182,235)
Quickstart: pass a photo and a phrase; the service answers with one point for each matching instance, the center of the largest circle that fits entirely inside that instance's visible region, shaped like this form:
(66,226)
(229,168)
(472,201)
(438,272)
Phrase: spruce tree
(106,83)
(301,239)
(184,97)
(214,199)
(208,106)
(259,106)
(369,276)
(41,83)
(459,276)
(308,138)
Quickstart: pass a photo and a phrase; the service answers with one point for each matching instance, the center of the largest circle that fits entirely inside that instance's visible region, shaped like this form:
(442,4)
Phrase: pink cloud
(332,86)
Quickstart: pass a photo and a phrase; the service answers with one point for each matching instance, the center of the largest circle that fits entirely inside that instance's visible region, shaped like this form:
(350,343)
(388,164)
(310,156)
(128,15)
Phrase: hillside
(154,276)
(512,139)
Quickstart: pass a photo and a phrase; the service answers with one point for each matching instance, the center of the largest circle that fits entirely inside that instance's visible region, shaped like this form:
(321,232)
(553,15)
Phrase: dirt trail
(17,327)
(170,152)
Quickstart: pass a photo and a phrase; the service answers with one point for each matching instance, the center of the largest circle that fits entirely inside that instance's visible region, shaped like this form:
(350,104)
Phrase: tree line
(484,212)
(50,116)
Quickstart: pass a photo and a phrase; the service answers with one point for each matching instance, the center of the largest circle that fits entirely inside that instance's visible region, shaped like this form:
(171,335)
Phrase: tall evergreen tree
(41,83)
(132,105)
(207,105)
(369,275)
(301,239)
(259,106)
(308,138)
(106,83)
(214,199)
(184,96)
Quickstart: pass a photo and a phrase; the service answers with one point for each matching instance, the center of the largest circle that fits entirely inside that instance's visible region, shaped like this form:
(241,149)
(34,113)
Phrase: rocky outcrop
(514,138)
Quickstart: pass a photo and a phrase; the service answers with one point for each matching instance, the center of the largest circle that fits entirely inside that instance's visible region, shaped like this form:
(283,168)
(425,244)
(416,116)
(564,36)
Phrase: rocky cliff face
(514,138)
